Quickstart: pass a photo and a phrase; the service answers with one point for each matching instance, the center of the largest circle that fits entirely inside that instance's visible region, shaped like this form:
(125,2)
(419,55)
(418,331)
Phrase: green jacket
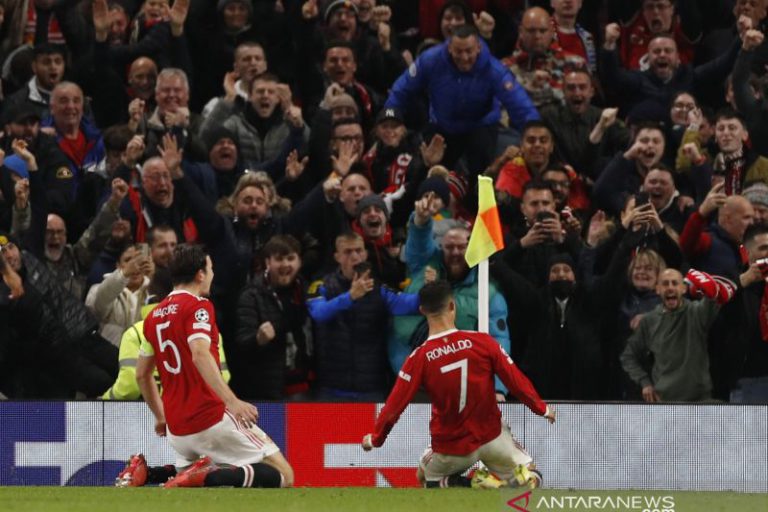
(422,251)
(676,342)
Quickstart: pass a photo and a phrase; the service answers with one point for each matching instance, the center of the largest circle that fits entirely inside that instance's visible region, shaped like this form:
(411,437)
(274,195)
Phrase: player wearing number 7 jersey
(206,424)
(457,369)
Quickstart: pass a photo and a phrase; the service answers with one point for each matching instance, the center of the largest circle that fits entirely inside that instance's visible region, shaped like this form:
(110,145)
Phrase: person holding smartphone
(351,312)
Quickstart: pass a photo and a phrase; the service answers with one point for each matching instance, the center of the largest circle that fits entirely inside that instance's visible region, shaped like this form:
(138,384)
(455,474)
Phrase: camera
(641,199)
(544,215)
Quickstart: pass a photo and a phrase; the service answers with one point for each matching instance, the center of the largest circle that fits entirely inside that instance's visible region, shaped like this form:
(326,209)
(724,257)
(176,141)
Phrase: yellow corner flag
(486,237)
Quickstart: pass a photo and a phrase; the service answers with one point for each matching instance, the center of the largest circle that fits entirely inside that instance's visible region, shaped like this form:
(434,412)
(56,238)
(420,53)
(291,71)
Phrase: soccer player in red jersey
(213,433)
(457,369)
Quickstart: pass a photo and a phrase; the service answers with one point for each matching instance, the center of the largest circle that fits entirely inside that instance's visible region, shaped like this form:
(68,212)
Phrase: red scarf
(513,177)
(365,98)
(142,226)
(76,149)
(398,169)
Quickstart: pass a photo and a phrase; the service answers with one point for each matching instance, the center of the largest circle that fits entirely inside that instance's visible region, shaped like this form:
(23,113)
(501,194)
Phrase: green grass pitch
(87,499)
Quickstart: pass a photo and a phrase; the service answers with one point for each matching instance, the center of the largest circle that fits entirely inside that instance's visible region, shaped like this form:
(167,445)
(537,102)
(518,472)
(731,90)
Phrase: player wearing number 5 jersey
(213,433)
(457,370)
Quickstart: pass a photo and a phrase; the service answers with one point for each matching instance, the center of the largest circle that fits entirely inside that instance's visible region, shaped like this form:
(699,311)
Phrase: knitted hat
(16,165)
(371,200)
(246,3)
(342,100)
(437,185)
(458,185)
(757,193)
(338,4)
(221,133)
(562,258)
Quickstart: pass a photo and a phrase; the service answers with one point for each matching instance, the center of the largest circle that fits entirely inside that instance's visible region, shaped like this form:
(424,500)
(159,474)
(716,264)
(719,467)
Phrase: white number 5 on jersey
(168,343)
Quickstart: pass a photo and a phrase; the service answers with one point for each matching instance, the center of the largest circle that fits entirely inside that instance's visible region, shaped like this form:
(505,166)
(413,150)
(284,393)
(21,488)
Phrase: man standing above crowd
(466,87)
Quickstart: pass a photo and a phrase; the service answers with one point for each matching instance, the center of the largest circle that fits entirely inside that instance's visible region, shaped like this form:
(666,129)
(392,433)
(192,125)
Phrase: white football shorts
(226,442)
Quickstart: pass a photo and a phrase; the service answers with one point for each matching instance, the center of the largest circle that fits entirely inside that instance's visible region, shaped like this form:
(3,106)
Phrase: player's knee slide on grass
(251,475)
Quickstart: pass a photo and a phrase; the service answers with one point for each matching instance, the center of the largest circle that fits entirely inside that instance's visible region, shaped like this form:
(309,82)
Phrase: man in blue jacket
(466,86)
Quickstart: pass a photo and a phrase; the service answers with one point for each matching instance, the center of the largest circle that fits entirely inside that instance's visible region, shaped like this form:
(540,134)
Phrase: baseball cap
(390,114)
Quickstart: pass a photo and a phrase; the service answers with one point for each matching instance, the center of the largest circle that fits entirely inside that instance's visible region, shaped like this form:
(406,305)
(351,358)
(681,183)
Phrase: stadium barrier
(592,446)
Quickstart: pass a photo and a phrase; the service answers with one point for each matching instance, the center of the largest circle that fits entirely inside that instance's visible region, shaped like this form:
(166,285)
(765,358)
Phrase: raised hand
(21,150)
(135,113)
(133,151)
(714,200)
(347,156)
(293,116)
(485,24)
(332,188)
(119,191)
(434,153)
(612,34)
(101,20)
(310,10)
(608,117)
(751,39)
(425,208)
(171,155)
(295,167)
(383,32)
(177,15)
(597,231)
(21,192)
(361,285)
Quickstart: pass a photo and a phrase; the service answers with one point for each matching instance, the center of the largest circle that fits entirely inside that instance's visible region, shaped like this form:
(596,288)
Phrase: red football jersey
(190,404)
(457,370)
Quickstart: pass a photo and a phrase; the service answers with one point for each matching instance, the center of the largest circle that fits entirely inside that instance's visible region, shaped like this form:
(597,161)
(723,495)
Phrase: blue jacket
(350,336)
(461,102)
(420,251)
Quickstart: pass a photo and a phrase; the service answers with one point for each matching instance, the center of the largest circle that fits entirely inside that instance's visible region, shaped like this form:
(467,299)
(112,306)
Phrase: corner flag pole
(485,240)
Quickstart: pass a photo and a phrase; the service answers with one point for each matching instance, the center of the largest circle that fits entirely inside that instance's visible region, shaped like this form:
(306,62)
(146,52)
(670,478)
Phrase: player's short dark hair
(188,260)
(281,245)
(754,231)
(435,296)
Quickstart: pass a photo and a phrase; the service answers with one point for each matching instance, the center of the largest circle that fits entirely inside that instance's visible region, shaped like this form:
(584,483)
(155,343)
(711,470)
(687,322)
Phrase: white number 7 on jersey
(460,365)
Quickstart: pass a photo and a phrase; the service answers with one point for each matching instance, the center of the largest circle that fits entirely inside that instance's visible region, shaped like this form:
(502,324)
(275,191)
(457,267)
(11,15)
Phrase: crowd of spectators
(327,151)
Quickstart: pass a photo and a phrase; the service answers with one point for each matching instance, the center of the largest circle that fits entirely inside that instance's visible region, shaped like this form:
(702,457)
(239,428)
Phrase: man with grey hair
(172,115)
(83,145)
(155,204)
(757,195)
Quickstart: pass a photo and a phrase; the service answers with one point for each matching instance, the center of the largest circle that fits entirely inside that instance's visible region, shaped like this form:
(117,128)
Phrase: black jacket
(262,371)
(564,353)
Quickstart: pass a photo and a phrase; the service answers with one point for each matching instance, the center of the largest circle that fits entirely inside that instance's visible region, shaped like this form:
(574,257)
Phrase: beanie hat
(757,193)
(219,133)
(458,185)
(16,165)
(562,258)
(338,4)
(437,185)
(371,200)
(342,100)
(247,3)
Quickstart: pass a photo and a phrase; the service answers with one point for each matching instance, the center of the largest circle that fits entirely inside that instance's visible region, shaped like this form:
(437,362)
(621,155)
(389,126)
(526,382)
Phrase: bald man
(142,76)
(714,248)
(674,335)
(539,62)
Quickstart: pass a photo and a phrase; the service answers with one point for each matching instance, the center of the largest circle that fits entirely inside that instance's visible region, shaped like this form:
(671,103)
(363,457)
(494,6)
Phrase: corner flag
(486,237)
